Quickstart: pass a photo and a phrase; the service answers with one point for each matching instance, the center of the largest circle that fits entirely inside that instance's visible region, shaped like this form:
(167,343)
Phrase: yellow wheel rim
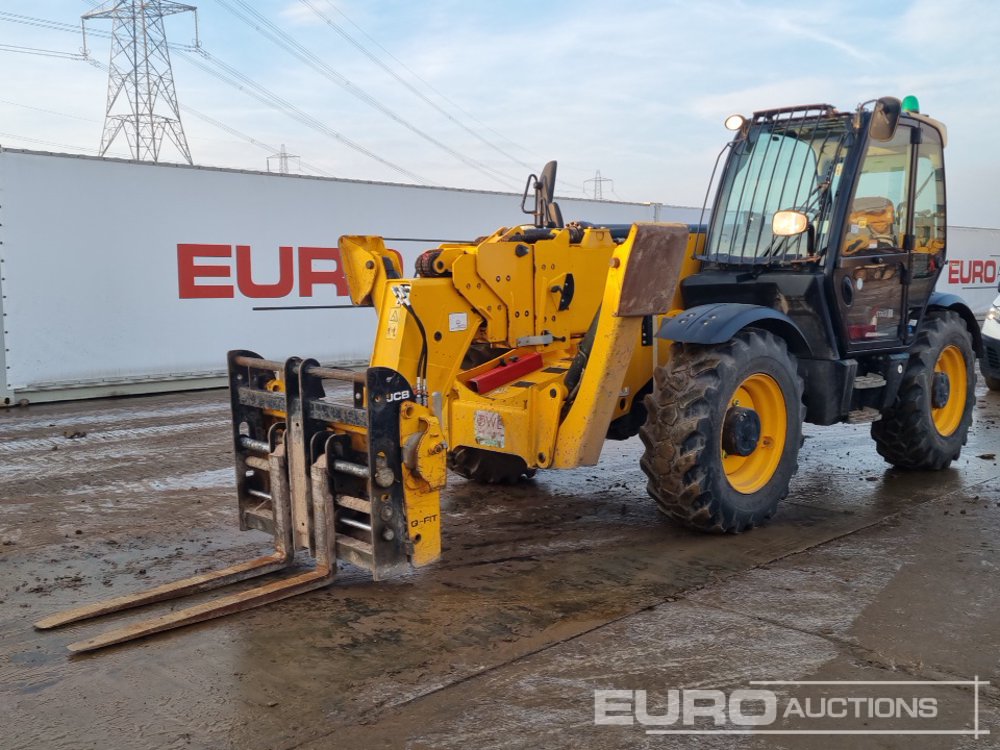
(747,474)
(948,417)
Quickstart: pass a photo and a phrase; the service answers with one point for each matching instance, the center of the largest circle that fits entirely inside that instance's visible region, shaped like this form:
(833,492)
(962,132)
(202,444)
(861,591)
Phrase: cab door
(873,265)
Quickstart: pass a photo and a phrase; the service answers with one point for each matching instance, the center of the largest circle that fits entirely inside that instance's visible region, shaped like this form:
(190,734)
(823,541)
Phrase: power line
(234,78)
(270,31)
(229,75)
(247,86)
(250,139)
(188,110)
(60,26)
(44,23)
(423,81)
(47,111)
(52,25)
(367,53)
(40,52)
(41,142)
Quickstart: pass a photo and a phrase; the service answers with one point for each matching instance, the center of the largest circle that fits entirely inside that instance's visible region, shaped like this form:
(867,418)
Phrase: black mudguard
(716,323)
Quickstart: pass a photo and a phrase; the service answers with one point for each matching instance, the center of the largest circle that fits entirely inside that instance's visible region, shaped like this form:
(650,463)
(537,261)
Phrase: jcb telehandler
(809,296)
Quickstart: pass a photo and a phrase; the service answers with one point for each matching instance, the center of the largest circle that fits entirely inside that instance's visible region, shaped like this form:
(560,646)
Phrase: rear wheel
(929,422)
(488,467)
(723,433)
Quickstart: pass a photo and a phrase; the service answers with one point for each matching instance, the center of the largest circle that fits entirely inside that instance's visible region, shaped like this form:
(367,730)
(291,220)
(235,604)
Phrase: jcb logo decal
(397,396)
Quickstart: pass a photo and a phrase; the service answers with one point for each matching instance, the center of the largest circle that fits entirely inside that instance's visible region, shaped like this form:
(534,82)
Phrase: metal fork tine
(281,558)
(322,575)
(226,605)
(194,584)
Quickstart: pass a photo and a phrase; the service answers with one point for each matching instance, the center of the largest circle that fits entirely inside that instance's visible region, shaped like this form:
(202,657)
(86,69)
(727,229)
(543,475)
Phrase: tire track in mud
(13,422)
(139,464)
(120,435)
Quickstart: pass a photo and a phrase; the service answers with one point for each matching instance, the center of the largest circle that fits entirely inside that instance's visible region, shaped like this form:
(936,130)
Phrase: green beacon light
(910,104)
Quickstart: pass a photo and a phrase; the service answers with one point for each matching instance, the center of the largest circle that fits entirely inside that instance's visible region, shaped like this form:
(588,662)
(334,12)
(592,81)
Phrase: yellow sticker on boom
(392,327)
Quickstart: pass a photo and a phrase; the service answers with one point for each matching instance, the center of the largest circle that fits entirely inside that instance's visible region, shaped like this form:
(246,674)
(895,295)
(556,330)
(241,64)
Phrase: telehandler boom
(808,297)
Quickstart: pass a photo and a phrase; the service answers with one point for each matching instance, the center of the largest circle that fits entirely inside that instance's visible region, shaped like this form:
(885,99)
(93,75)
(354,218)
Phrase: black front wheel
(723,433)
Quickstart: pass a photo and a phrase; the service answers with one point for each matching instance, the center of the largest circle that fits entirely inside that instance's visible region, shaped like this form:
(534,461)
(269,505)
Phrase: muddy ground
(546,592)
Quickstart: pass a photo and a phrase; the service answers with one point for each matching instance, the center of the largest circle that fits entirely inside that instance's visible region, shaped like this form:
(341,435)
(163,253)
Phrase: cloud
(784,23)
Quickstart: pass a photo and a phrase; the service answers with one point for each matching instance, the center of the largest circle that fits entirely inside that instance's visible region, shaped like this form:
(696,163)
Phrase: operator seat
(871,226)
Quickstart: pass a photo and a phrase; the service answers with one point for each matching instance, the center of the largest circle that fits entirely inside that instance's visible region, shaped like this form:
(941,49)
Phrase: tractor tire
(488,467)
(929,422)
(992,383)
(707,468)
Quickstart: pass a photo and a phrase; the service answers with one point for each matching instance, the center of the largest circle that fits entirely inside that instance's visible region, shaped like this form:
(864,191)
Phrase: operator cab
(835,219)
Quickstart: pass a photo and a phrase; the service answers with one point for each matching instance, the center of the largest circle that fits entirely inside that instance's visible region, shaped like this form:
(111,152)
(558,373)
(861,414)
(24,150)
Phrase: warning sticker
(489,429)
(392,327)
(458,321)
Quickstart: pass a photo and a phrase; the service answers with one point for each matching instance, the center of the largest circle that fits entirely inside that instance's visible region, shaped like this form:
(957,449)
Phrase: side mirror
(547,213)
(885,117)
(789,223)
(546,210)
(548,182)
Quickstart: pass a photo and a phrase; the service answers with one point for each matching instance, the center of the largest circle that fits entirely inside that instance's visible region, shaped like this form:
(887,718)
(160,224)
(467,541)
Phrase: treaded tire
(683,433)
(992,383)
(906,436)
(488,467)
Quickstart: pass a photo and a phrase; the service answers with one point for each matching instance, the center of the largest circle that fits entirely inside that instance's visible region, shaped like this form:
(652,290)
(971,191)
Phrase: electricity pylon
(140,77)
(598,185)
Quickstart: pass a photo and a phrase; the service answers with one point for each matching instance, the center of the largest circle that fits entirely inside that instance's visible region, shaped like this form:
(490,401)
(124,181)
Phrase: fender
(947,301)
(716,323)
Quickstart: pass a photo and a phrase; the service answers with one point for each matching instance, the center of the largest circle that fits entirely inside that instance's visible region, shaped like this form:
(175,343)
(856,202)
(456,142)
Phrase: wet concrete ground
(546,592)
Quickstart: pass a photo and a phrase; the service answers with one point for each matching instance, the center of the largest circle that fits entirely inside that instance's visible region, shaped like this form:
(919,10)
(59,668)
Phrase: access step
(871,380)
(863,416)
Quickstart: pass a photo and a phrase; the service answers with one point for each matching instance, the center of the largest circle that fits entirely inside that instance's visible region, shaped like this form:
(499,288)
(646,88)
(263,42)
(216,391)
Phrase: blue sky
(637,90)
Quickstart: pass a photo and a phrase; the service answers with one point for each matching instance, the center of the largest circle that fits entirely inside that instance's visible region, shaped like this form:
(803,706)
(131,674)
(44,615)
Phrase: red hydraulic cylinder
(509,370)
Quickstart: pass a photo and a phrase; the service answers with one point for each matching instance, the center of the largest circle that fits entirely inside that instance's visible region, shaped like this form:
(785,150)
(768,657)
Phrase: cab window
(877,217)
(928,206)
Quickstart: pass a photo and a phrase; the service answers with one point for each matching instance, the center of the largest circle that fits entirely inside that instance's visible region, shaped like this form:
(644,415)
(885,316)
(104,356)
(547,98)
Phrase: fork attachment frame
(318,476)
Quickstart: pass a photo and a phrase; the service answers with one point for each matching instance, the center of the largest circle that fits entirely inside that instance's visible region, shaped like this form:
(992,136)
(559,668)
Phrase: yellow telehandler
(809,296)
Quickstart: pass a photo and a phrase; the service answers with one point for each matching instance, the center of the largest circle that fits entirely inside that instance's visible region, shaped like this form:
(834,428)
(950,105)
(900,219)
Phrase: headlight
(994,313)
(735,122)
